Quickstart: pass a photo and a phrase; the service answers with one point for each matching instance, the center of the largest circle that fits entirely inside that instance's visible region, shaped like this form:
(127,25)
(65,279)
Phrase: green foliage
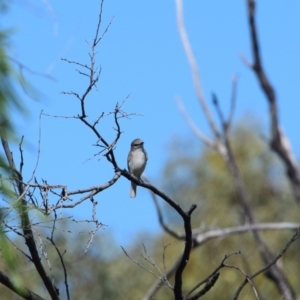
(8,98)
(8,102)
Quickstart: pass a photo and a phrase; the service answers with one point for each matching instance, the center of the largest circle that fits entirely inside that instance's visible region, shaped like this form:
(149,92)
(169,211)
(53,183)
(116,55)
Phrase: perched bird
(136,162)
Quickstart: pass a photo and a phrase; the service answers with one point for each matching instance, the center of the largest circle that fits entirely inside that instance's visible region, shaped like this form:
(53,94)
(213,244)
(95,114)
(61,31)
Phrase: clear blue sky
(142,55)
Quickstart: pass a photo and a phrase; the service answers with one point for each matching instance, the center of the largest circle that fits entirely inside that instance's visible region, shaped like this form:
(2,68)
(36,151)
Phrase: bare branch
(194,68)
(24,67)
(76,63)
(65,194)
(186,253)
(193,126)
(203,237)
(161,278)
(18,289)
(232,102)
(160,216)
(276,275)
(208,285)
(293,239)
(98,39)
(209,281)
(62,117)
(39,147)
(156,285)
(21,155)
(279,142)
(60,255)
(97,225)
(149,259)
(247,278)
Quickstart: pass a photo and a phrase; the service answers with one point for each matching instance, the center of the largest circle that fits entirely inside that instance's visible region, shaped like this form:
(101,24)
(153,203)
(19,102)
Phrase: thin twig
(192,125)
(268,266)
(193,64)
(232,102)
(161,278)
(209,279)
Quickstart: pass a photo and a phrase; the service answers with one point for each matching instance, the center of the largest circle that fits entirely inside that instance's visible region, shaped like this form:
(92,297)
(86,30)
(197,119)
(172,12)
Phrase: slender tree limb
(60,255)
(275,274)
(279,142)
(208,285)
(232,102)
(293,239)
(203,237)
(186,253)
(23,67)
(18,289)
(209,280)
(157,285)
(97,39)
(155,190)
(161,278)
(217,144)
(161,219)
(247,278)
(198,133)
(193,64)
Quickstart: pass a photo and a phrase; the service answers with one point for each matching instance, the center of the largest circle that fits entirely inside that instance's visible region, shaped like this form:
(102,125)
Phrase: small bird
(136,162)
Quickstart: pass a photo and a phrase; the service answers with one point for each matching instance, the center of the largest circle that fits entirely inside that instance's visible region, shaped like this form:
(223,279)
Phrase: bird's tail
(133,190)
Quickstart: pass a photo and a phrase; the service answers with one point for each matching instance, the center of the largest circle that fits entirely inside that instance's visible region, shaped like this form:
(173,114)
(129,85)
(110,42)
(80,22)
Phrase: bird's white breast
(138,164)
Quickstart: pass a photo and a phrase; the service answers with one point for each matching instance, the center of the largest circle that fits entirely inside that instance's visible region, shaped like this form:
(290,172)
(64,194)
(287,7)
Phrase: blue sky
(142,55)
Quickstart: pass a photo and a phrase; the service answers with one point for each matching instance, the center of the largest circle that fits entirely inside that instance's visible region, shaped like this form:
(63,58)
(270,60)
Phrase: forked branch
(279,142)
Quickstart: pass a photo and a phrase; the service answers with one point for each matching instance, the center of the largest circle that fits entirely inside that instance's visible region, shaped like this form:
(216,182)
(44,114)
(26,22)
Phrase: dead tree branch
(293,239)
(161,278)
(217,144)
(279,142)
(203,237)
(193,65)
(274,274)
